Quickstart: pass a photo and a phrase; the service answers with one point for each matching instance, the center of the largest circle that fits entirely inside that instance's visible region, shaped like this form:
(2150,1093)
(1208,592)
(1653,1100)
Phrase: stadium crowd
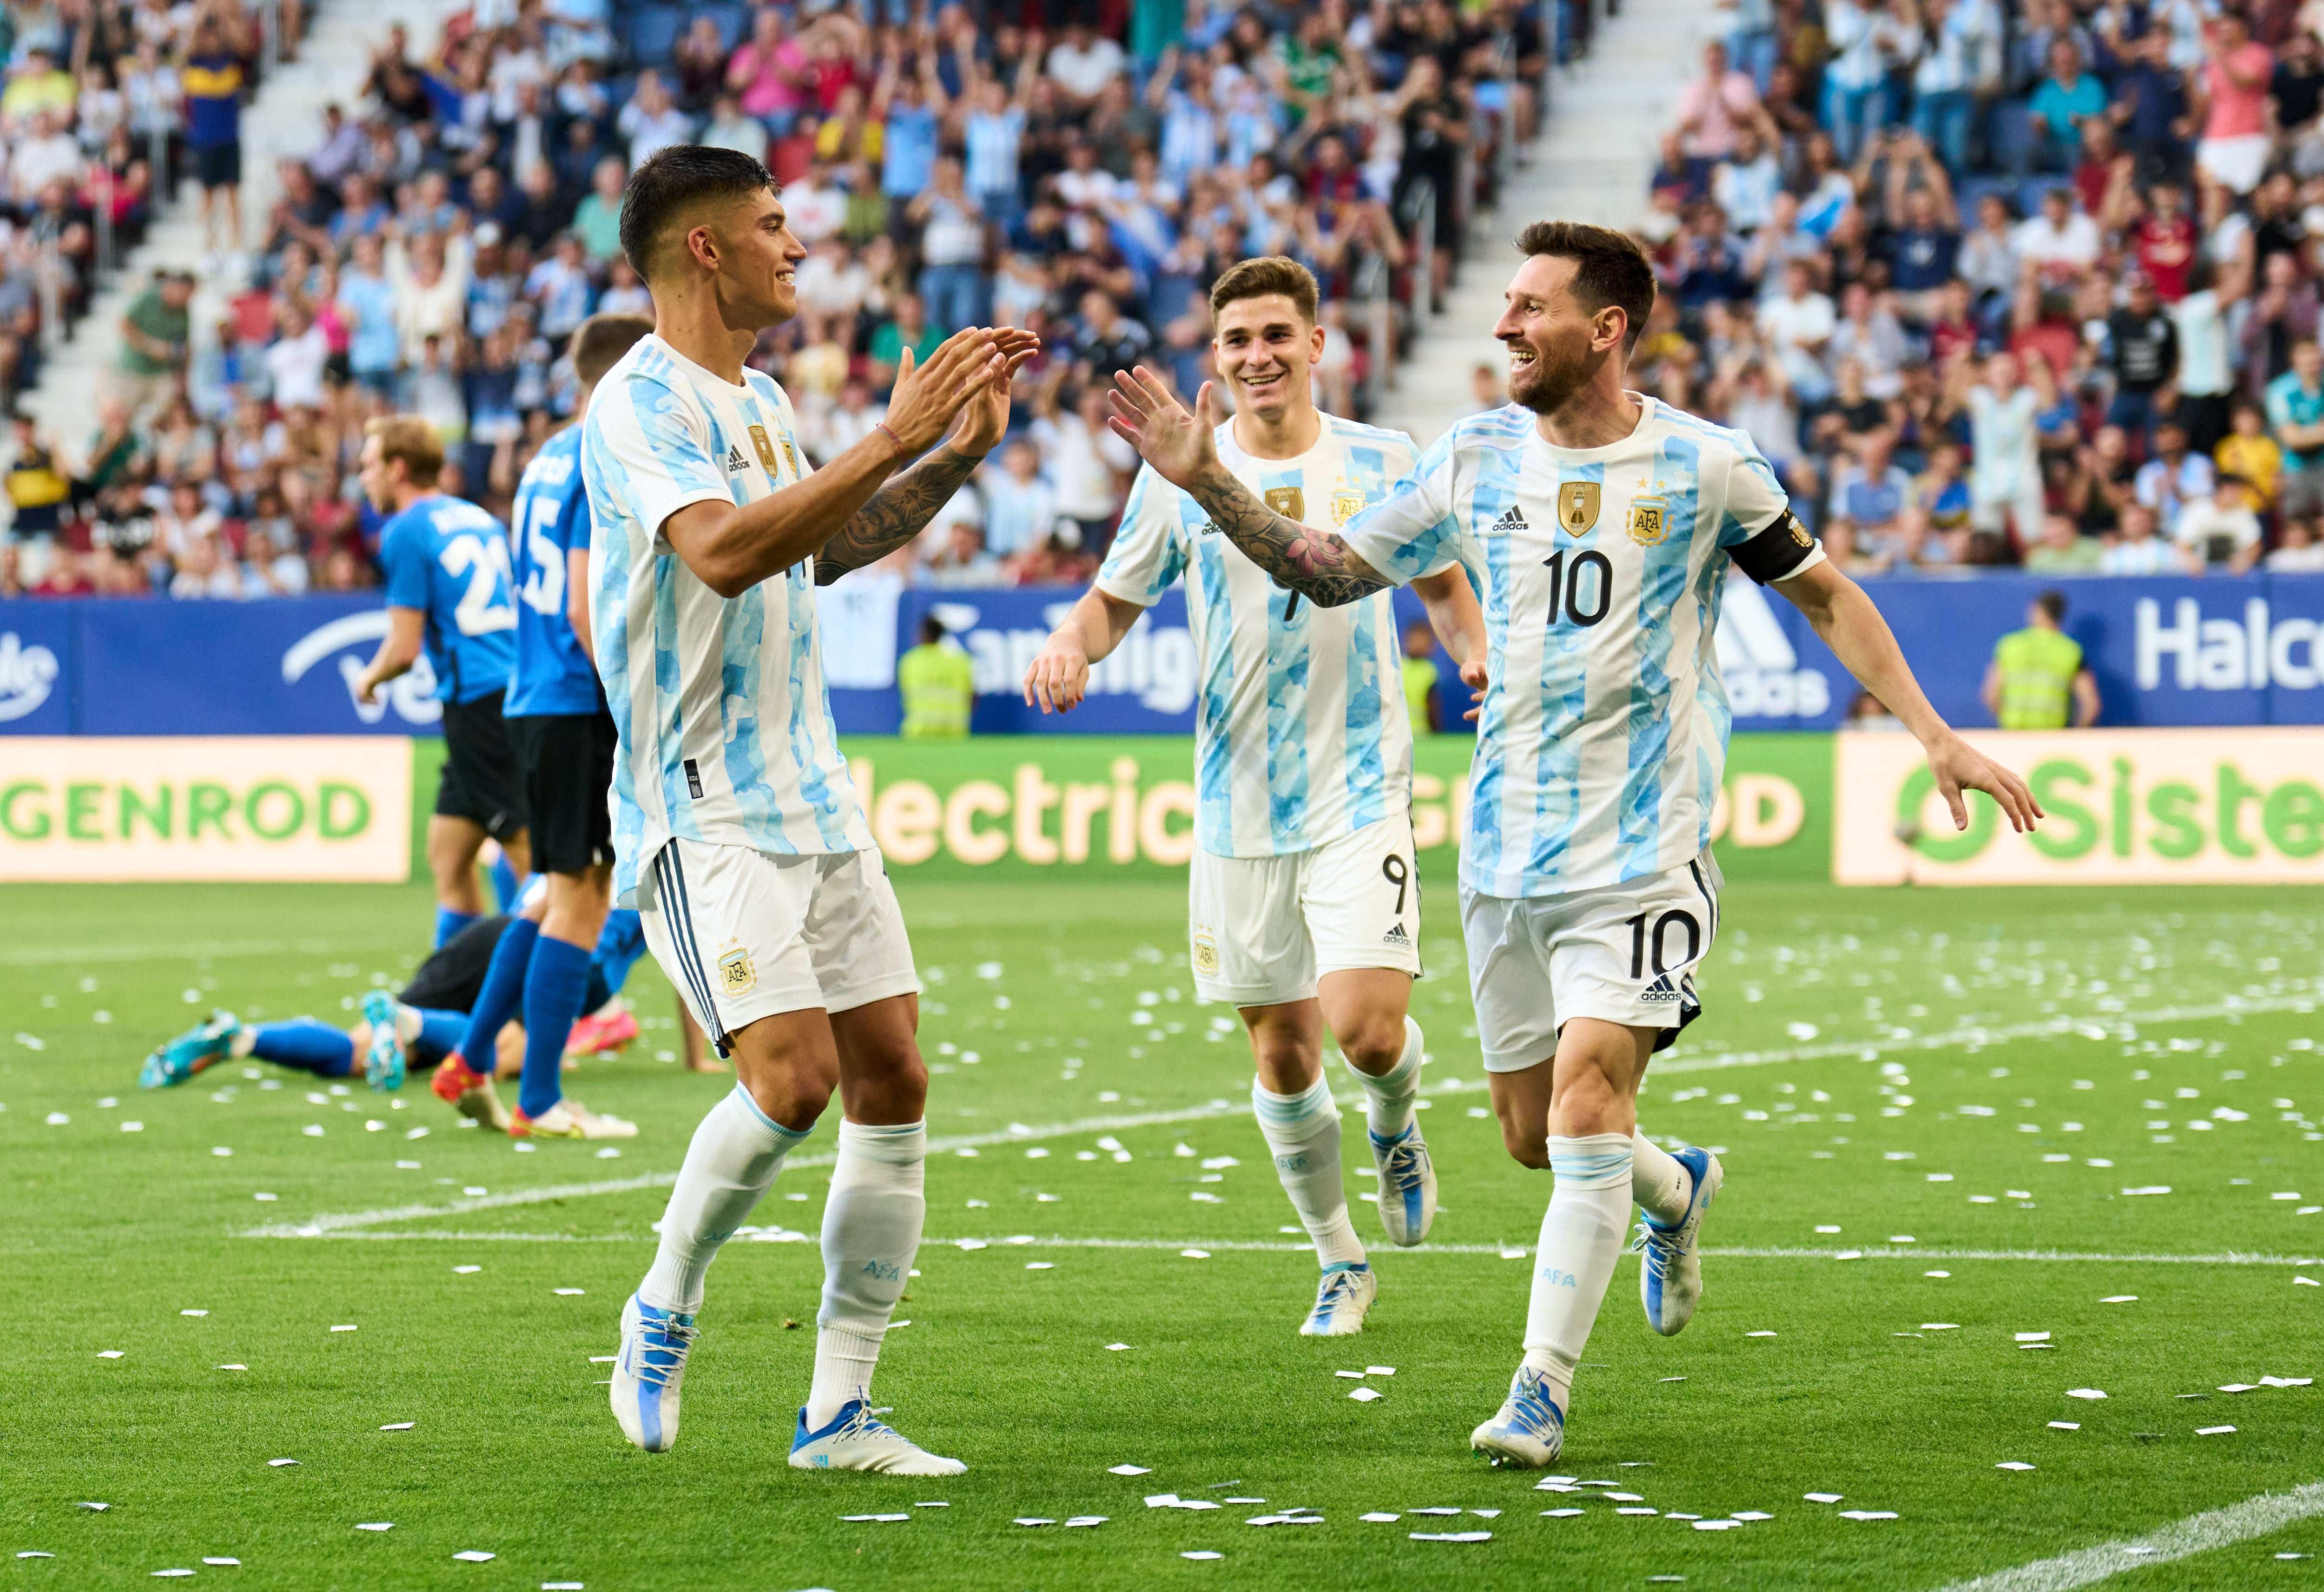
(2034,287)
(1084,172)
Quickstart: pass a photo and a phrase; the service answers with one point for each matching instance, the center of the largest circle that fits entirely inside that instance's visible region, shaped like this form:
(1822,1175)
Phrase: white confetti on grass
(1129,1470)
(375,1525)
(399,1426)
(473,1556)
(1364,1395)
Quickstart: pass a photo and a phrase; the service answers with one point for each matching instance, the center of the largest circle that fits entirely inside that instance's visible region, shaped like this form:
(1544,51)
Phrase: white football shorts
(745,936)
(1625,954)
(1263,929)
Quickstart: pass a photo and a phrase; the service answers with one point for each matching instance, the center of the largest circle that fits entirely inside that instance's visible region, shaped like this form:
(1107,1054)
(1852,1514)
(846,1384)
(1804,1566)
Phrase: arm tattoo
(1299,557)
(897,513)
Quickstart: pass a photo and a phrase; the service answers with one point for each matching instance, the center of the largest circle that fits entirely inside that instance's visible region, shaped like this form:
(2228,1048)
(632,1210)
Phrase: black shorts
(567,761)
(480,774)
(218,166)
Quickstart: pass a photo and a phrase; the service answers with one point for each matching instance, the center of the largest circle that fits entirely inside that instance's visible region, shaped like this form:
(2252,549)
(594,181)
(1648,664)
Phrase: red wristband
(883,425)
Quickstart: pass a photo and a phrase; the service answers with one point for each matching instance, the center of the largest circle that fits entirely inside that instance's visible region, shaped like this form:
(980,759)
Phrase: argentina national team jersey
(1604,729)
(551,518)
(1300,735)
(727,734)
(448,558)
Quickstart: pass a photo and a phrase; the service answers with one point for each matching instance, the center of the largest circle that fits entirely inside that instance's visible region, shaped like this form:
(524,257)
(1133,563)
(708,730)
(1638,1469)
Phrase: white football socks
(1658,1183)
(870,1233)
(1581,1240)
(1302,1133)
(1387,1098)
(729,1166)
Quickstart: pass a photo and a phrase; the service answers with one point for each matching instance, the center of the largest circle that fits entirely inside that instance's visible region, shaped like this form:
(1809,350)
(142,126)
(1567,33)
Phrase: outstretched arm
(1844,618)
(1179,446)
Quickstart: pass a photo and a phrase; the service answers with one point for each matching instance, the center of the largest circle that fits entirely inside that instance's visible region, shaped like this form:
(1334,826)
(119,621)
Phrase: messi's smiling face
(1549,335)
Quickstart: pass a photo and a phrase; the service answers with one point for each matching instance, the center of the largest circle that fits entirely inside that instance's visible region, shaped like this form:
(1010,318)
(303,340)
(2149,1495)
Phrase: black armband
(1776,551)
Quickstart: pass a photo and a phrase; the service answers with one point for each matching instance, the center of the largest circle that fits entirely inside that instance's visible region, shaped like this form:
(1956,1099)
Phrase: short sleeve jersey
(727,734)
(1603,732)
(448,558)
(553,675)
(1300,735)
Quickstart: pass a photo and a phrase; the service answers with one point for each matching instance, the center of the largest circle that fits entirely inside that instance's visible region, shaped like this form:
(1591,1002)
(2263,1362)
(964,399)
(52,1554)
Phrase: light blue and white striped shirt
(726,734)
(1604,729)
(1300,731)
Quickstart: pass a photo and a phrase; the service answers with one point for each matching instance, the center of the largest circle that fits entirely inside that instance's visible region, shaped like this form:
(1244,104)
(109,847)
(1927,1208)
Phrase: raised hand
(1179,445)
(984,418)
(928,397)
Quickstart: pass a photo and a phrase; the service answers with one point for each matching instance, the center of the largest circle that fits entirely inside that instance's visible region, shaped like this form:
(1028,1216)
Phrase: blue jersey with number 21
(448,558)
(553,675)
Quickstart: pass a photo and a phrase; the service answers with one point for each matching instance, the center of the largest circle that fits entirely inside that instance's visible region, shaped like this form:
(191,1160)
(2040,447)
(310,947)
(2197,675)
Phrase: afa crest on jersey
(1649,521)
(1577,505)
(1346,504)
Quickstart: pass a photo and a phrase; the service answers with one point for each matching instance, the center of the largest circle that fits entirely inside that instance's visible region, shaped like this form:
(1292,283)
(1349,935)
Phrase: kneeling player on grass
(564,741)
(739,835)
(1600,524)
(1305,901)
(421,1022)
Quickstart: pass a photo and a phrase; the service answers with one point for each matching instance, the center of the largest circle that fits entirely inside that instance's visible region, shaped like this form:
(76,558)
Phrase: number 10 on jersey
(1565,580)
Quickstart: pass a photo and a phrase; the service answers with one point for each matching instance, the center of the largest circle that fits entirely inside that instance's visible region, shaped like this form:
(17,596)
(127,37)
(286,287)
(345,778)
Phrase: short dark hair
(932,630)
(1267,274)
(670,185)
(1611,269)
(599,342)
(2052,603)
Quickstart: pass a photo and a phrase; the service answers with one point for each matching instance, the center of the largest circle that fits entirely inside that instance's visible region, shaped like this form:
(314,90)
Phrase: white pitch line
(327,1222)
(2106,1026)
(1501,1251)
(2197,1533)
(315,1226)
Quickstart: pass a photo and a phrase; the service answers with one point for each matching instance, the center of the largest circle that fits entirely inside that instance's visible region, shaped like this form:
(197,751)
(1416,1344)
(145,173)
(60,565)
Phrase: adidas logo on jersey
(736,463)
(1396,936)
(1661,989)
(1510,523)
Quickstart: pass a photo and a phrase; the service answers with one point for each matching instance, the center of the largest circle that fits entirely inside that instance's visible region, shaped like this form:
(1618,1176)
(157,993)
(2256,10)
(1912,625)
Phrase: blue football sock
(440,1034)
(496,1002)
(449,923)
(505,883)
(619,946)
(554,987)
(307,1044)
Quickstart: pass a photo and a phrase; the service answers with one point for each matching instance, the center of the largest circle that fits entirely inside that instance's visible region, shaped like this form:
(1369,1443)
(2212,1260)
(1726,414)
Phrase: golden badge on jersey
(1799,532)
(1649,521)
(1346,505)
(1577,505)
(737,975)
(766,448)
(1289,501)
(790,458)
(1206,955)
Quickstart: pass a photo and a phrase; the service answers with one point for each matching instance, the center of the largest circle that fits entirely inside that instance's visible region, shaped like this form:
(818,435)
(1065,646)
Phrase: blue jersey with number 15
(448,558)
(553,675)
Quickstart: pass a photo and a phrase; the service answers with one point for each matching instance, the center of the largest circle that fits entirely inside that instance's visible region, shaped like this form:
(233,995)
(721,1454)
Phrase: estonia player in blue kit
(447,563)
(1597,526)
(738,834)
(563,739)
(1304,898)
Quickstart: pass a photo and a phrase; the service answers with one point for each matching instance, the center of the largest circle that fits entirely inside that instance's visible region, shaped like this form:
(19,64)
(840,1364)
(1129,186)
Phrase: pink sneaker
(595,1036)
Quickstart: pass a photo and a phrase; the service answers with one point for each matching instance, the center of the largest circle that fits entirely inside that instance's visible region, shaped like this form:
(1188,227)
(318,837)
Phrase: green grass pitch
(2123,1040)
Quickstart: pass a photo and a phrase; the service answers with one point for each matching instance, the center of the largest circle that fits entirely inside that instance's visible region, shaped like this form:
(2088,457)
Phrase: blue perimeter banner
(2166,651)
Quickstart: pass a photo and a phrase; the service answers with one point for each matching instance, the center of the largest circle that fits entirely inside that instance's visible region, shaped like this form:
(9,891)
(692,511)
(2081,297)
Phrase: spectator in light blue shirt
(368,301)
(995,132)
(1020,508)
(909,150)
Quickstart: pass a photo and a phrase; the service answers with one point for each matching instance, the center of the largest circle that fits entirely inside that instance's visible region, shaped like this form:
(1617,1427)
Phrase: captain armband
(1775,552)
